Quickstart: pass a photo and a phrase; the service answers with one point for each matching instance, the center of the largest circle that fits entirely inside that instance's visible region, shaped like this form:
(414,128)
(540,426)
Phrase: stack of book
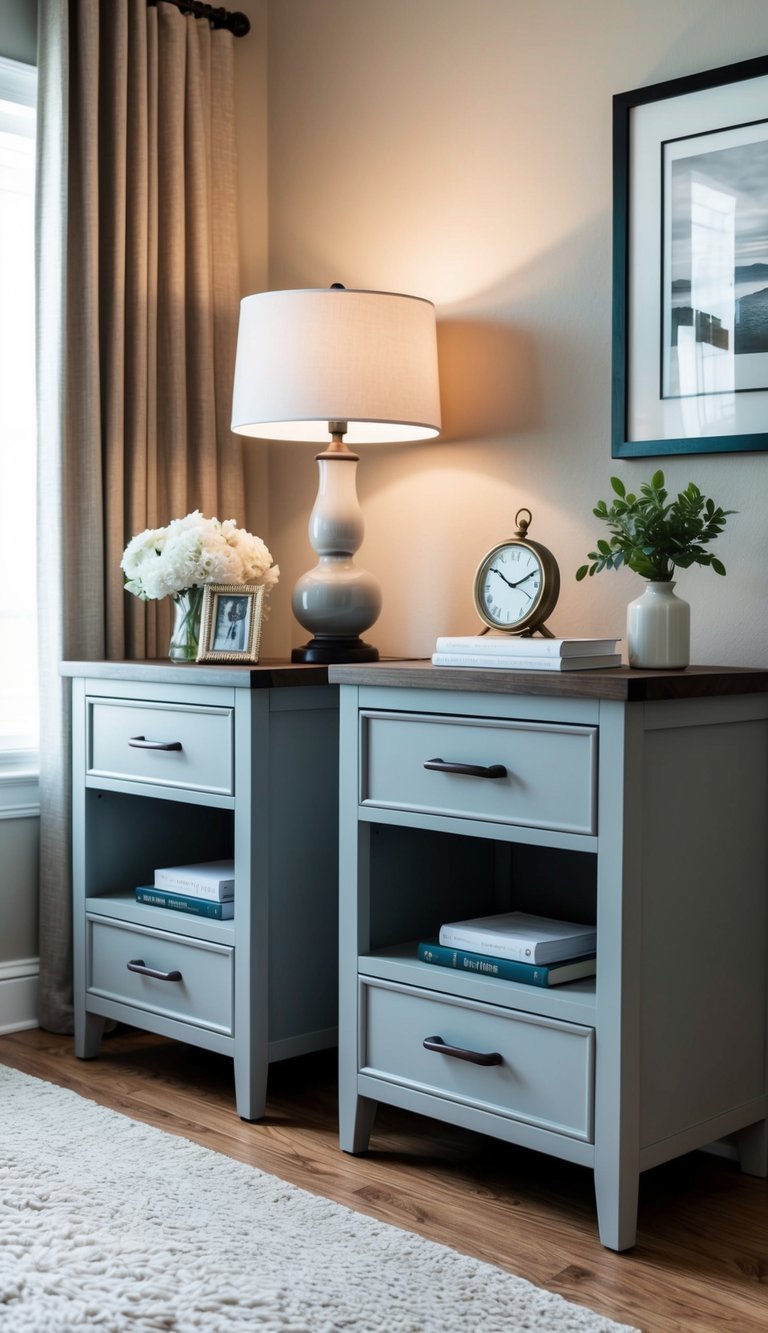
(205,888)
(516,946)
(515,653)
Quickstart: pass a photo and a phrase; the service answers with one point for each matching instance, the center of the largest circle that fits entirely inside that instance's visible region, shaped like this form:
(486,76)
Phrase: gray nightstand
(176,764)
(636,800)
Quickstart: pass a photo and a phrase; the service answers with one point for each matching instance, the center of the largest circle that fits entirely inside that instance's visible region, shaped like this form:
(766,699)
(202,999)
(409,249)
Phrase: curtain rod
(237,24)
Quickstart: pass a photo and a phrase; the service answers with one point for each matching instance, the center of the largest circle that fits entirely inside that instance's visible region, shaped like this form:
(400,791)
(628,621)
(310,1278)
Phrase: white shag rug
(109,1224)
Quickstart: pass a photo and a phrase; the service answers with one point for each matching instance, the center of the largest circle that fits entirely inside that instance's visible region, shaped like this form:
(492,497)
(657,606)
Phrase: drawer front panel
(204,995)
(122,735)
(550,780)
(545,1077)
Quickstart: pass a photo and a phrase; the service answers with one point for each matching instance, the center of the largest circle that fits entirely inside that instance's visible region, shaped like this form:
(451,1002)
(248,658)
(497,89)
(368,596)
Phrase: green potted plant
(653,535)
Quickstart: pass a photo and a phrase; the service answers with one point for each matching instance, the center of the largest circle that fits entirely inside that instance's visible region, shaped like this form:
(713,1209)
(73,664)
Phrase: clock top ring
(517,583)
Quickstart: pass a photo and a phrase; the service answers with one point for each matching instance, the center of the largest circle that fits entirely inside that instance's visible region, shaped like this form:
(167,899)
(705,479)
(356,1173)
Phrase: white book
(521,936)
(515,646)
(214,880)
(494,661)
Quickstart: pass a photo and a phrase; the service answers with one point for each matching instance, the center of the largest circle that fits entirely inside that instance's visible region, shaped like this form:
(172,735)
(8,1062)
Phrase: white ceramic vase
(659,629)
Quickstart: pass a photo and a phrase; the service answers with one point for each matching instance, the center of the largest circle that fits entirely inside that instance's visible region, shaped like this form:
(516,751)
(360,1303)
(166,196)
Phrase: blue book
(179,902)
(569,969)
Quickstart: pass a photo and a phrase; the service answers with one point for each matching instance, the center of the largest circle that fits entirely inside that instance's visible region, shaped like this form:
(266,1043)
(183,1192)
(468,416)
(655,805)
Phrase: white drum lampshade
(332,362)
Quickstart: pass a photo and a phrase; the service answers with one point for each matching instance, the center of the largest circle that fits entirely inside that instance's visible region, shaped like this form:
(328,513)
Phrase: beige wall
(461,150)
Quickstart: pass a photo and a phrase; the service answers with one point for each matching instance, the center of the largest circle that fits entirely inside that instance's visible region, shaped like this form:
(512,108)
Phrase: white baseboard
(18,995)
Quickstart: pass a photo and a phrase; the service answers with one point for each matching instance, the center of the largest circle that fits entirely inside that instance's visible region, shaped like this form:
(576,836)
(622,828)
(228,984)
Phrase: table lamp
(340,363)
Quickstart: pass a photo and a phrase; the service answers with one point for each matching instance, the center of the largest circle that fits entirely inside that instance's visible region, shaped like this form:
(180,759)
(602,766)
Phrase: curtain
(138,292)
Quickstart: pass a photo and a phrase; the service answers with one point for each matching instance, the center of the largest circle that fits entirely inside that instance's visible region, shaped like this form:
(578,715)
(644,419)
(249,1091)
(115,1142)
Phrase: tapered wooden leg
(356,1127)
(250,1087)
(89,1030)
(616,1195)
(753,1149)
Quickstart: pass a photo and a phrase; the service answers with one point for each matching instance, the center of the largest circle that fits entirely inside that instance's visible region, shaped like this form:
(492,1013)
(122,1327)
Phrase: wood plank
(268,674)
(620,683)
(700,1264)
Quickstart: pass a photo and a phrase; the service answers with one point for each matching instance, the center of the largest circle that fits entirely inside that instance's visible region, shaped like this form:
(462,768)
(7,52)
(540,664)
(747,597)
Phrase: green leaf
(581,573)
(653,535)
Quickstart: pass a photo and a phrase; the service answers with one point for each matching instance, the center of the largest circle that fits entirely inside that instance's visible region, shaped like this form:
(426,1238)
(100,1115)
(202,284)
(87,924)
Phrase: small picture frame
(231,623)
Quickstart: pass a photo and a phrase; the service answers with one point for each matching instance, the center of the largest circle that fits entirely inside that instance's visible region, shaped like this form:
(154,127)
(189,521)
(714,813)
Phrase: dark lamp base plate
(327,648)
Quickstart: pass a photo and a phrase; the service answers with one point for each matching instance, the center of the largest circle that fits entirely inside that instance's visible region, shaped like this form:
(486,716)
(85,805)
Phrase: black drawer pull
(141,743)
(138,965)
(469,770)
(458,1052)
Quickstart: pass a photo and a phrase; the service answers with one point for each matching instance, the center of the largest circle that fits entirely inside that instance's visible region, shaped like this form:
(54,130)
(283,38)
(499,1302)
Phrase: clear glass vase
(185,634)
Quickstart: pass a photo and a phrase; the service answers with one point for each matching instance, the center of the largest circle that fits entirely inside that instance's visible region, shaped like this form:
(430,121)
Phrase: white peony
(191,551)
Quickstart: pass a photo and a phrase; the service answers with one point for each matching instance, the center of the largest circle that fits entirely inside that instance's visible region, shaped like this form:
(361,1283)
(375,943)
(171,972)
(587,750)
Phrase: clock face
(509,586)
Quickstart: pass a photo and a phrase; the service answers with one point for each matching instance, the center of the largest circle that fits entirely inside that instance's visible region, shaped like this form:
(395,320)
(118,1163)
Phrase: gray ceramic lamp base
(336,602)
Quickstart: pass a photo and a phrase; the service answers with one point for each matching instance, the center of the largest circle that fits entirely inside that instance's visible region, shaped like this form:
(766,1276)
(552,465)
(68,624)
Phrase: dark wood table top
(269,674)
(622,683)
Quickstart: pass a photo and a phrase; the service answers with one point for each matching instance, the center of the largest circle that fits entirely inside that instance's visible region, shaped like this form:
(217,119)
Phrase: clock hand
(524,591)
(525,576)
(494,570)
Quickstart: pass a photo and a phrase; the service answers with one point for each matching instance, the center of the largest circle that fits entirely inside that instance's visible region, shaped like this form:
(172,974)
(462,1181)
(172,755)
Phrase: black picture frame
(715,108)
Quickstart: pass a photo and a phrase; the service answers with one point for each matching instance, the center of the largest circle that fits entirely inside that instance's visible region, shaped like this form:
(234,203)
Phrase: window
(18,623)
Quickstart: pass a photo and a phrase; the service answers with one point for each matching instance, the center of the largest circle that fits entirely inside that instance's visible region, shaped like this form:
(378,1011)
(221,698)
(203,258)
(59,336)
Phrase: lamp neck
(337,448)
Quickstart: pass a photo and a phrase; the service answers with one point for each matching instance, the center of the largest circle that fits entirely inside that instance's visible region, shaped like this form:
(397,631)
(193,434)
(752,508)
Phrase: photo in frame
(231,622)
(690,265)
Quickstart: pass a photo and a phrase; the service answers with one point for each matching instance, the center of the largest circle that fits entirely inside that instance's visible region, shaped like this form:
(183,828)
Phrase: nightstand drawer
(544,1077)
(190,747)
(542,775)
(196,982)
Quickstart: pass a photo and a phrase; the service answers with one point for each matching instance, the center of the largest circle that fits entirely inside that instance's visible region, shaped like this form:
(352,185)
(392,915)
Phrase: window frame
(19,767)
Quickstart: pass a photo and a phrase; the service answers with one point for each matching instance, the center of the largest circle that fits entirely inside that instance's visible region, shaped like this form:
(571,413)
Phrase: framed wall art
(690,264)
(232,617)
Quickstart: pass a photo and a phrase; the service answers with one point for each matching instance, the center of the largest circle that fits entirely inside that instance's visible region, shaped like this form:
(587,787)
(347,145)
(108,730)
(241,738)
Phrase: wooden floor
(700,1264)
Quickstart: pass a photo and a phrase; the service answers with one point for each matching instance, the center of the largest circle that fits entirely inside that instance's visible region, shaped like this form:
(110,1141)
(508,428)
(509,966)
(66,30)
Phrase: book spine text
(497,660)
(522,951)
(491,647)
(464,961)
(177,902)
(214,890)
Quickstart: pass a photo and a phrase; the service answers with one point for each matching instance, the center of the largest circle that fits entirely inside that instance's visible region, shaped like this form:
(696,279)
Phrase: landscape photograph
(717,267)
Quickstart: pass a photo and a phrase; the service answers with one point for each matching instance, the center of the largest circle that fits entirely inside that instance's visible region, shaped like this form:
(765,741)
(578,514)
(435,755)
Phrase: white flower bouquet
(192,551)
